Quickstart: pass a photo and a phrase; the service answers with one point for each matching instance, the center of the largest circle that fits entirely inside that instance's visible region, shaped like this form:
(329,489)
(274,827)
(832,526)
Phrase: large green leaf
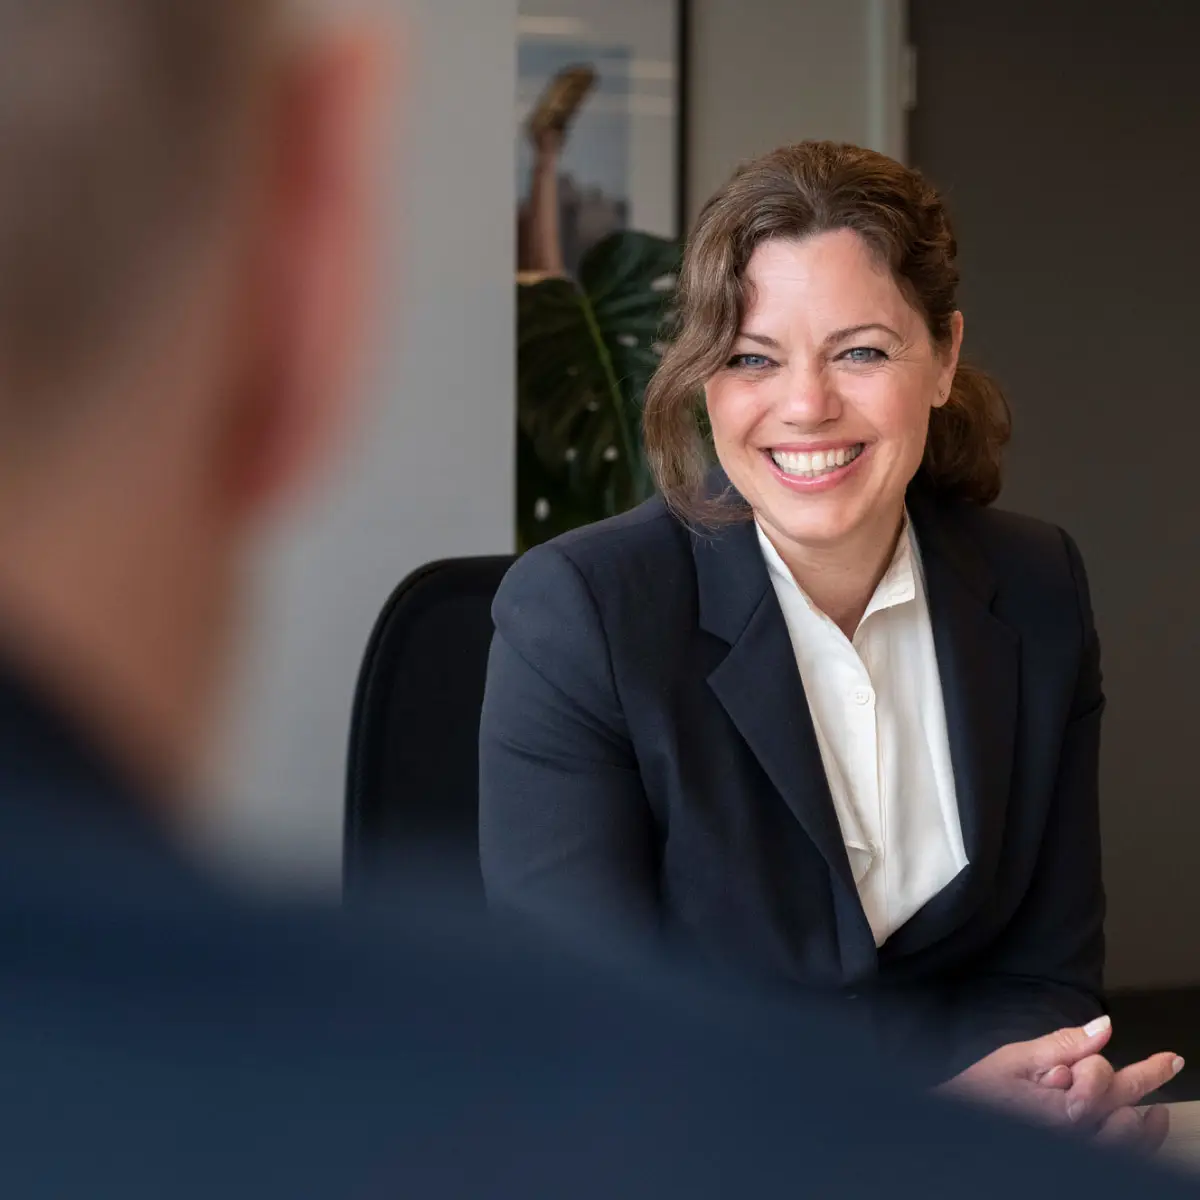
(546,505)
(585,353)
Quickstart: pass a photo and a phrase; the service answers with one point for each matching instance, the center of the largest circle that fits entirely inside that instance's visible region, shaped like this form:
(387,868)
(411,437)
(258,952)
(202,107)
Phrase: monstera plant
(586,349)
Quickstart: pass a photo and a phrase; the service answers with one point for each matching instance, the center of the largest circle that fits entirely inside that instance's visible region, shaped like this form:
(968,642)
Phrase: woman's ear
(948,360)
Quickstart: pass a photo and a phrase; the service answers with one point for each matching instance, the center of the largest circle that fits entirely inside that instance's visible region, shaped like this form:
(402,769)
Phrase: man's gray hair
(116,121)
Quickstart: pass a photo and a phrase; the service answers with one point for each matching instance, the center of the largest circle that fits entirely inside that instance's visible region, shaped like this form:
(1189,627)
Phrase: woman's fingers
(1133,1083)
(1092,1079)
(1063,1047)
(1121,1128)
(1143,1129)
(1063,1079)
(1058,1078)
(1156,1124)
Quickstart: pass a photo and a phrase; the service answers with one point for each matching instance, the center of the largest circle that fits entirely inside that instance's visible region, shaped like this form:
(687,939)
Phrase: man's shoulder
(267,1055)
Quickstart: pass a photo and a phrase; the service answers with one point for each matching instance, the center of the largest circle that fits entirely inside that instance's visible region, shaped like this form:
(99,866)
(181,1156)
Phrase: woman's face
(820,416)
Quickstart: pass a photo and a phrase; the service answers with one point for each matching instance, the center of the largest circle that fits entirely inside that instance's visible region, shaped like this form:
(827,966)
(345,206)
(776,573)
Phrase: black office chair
(412,795)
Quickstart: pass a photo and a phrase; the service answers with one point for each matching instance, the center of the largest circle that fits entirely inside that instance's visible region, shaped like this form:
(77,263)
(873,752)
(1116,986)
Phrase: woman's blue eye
(753,362)
(864,355)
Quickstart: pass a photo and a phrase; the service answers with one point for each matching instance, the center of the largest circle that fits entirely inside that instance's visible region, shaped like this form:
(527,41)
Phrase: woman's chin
(815,530)
(825,518)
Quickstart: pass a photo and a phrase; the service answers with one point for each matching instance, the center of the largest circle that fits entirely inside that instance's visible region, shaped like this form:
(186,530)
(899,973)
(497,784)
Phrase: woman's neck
(841,579)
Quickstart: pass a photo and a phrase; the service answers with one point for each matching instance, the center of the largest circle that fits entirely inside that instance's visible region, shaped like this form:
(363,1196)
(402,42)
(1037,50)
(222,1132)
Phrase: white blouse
(880,721)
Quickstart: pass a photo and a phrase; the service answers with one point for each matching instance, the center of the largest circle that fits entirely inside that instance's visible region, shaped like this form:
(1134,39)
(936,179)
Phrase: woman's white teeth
(820,462)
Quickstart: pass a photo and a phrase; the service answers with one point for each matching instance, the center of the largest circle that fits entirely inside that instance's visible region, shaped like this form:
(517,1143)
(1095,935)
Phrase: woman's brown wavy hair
(792,193)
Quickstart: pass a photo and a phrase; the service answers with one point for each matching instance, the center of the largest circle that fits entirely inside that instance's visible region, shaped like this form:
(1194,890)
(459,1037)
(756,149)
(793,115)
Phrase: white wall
(431,473)
(767,72)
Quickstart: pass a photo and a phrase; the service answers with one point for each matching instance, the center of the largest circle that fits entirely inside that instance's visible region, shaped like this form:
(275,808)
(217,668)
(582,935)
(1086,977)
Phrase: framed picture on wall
(600,125)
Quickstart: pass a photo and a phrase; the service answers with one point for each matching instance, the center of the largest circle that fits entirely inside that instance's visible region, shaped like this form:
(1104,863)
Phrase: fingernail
(1177,1066)
(1075,1110)
(1097,1027)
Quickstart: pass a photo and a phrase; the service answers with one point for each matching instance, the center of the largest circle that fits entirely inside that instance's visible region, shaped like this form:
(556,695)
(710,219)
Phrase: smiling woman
(822,434)
(819,712)
(896,236)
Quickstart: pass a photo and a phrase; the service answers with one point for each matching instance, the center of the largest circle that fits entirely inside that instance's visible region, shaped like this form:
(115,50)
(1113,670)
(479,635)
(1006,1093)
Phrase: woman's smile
(818,469)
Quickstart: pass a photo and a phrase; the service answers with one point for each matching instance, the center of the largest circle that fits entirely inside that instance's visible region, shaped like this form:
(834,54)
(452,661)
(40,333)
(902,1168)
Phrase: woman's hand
(1064,1080)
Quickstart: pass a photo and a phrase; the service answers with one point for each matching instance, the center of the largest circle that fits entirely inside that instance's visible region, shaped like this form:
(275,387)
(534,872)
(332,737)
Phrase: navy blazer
(648,766)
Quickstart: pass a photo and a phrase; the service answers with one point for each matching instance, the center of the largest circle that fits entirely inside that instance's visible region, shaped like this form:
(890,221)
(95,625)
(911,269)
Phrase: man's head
(184,225)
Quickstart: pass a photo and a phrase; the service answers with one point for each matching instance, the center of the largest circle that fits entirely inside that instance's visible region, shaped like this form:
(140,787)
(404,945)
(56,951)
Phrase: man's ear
(306,277)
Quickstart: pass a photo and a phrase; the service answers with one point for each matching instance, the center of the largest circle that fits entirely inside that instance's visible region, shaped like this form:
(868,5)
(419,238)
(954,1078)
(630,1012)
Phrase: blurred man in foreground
(185,192)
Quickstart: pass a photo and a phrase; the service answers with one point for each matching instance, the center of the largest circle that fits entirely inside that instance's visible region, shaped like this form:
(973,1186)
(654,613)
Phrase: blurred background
(1063,133)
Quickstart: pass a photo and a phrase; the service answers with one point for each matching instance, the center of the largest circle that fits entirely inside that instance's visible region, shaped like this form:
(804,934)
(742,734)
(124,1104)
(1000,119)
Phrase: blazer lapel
(759,686)
(979,664)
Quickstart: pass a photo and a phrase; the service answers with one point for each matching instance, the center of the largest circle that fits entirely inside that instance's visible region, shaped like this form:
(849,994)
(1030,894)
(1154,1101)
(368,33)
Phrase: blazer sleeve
(567,838)
(1047,970)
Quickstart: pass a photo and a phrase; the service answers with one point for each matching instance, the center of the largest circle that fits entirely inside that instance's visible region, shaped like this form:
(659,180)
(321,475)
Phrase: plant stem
(610,374)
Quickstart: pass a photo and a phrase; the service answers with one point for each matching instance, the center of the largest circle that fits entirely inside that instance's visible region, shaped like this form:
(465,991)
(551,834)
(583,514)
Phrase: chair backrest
(412,794)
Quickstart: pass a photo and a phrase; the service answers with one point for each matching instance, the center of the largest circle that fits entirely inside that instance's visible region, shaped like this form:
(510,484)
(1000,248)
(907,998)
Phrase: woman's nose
(809,400)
